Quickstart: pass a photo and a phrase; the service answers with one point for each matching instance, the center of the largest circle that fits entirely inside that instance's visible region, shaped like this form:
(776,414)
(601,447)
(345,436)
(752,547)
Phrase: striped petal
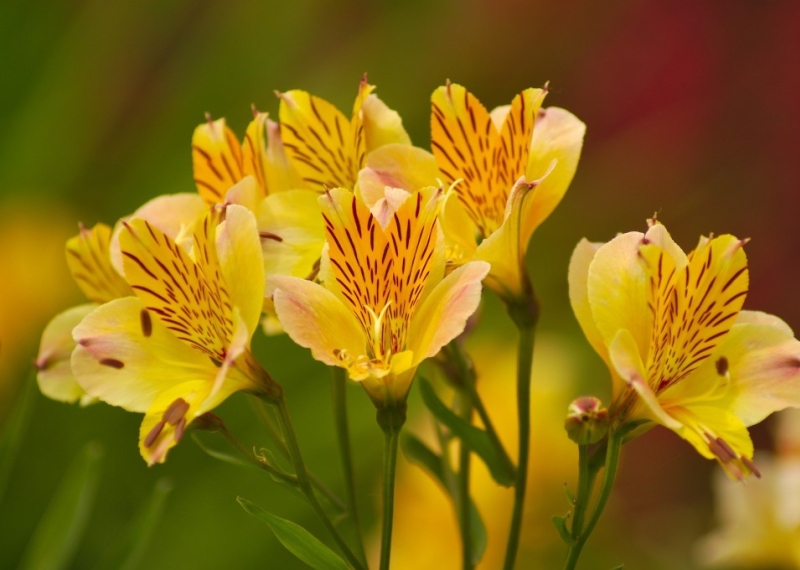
(216,159)
(89,261)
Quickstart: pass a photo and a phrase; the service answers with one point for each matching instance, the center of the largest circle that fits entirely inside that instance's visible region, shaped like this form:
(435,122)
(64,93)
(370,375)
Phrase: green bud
(587,420)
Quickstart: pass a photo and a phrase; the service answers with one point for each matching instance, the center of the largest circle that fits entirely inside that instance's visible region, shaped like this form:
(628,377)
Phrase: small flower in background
(181,346)
(759,523)
(508,168)
(385,305)
(552,466)
(681,351)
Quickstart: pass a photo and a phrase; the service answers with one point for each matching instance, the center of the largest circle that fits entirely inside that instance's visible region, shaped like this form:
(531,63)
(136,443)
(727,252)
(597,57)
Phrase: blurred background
(693,112)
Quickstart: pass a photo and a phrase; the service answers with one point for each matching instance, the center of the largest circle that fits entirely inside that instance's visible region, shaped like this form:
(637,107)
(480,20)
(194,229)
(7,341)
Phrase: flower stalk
(391,420)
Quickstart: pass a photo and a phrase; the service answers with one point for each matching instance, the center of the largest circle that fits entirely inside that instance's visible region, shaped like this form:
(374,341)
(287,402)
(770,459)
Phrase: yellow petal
(578,278)
(254,152)
(443,315)
(281,175)
(382,125)
(216,160)
(188,295)
(459,228)
(173,214)
(239,251)
(126,356)
(54,372)
(245,193)
(617,290)
(397,166)
(292,232)
(557,139)
(318,140)
(89,261)
(316,319)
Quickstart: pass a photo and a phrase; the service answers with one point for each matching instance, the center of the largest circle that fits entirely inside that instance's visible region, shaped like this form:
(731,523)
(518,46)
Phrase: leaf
(419,453)
(297,540)
(570,496)
(61,528)
(14,430)
(476,439)
(129,552)
(561,527)
(223,456)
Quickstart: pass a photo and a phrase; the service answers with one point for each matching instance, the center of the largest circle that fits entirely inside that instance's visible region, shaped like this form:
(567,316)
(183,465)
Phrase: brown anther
(179,429)
(146,322)
(112,363)
(175,411)
(720,449)
(751,466)
(154,433)
(722,366)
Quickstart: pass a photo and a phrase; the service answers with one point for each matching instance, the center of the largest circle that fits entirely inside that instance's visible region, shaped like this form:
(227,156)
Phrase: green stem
(584,492)
(612,462)
(463,489)
(305,483)
(339,397)
(285,477)
(526,329)
(389,469)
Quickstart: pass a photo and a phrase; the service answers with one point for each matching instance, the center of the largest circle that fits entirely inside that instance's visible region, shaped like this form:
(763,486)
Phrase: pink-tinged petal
(382,125)
(126,356)
(760,318)
(443,315)
(239,251)
(292,233)
(617,289)
(173,214)
(556,143)
(397,166)
(578,278)
(54,371)
(658,235)
(386,206)
(89,261)
(281,175)
(245,193)
(316,319)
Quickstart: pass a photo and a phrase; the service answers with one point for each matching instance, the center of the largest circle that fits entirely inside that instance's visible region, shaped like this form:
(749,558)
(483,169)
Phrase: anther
(175,411)
(154,433)
(751,466)
(179,429)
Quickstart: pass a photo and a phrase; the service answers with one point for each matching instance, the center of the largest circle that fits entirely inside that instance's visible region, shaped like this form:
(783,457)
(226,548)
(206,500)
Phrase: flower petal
(397,166)
(89,261)
(239,250)
(557,137)
(54,372)
(617,290)
(126,356)
(281,175)
(216,160)
(578,277)
(443,315)
(254,152)
(382,125)
(316,319)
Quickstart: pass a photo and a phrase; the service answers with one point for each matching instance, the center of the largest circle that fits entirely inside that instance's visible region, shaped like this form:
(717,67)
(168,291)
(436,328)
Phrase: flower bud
(587,420)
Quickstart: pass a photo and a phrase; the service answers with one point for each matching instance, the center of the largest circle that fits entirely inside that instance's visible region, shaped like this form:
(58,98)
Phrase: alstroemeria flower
(385,305)
(181,346)
(325,148)
(89,261)
(681,351)
(508,169)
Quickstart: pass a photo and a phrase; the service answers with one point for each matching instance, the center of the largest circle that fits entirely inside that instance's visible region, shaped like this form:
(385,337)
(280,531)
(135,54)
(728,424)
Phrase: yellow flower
(385,305)
(508,169)
(89,261)
(681,351)
(181,346)
(325,148)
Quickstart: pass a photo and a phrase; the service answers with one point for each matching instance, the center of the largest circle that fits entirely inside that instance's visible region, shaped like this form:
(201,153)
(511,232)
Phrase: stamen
(175,411)
(751,466)
(154,433)
(179,429)
(112,363)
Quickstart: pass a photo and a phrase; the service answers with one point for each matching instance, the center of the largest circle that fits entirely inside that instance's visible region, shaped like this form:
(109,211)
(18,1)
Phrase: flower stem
(339,397)
(305,483)
(466,408)
(581,535)
(524,367)
(391,420)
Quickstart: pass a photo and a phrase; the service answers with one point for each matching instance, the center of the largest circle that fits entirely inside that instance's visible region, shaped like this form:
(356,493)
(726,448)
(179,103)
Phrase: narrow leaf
(128,554)
(223,456)
(419,453)
(476,439)
(62,526)
(14,430)
(297,540)
(561,526)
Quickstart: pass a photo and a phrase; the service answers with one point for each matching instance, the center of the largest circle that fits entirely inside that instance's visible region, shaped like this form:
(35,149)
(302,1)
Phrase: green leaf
(223,456)
(570,496)
(476,439)
(561,527)
(129,552)
(297,540)
(419,453)
(61,528)
(14,430)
